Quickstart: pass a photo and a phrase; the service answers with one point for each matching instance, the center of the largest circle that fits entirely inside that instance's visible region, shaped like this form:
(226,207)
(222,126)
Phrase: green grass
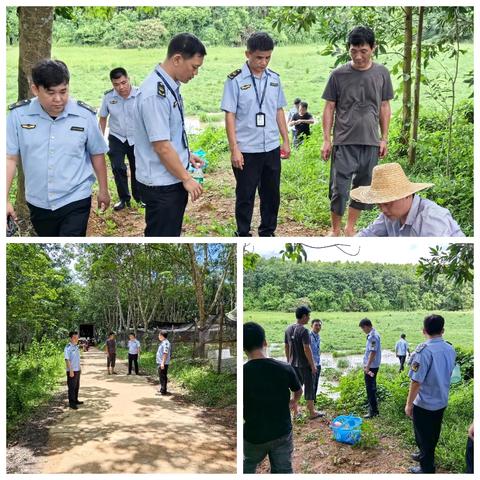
(340,330)
(303,71)
(202,384)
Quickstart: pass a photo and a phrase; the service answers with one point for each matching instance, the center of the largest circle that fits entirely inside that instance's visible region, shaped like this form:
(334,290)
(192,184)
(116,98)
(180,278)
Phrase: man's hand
(293,405)
(237,158)
(162,366)
(409,410)
(470,431)
(314,369)
(286,149)
(11,211)
(103,200)
(326,150)
(196,161)
(383,149)
(193,188)
(71,374)
(366,369)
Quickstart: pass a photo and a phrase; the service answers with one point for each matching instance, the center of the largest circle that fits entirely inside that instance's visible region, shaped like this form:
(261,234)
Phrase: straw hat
(389,183)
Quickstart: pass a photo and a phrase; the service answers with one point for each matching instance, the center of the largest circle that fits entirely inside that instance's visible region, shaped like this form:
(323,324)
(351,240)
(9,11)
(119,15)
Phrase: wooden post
(220,338)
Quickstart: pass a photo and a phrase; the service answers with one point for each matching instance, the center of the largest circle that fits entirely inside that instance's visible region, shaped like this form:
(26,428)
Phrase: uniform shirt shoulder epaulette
(161,89)
(446,341)
(234,74)
(85,105)
(108,91)
(20,103)
(420,347)
(270,70)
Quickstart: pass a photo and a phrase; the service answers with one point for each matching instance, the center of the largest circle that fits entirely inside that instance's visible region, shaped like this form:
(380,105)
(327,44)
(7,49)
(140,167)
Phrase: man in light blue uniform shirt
(61,149)
(161,145)
(401,349)
(404,213)
(253,102)
(71,354)
(371,363)
(133,353)
(431,367)
(315,346)
(118,104)
(163,357)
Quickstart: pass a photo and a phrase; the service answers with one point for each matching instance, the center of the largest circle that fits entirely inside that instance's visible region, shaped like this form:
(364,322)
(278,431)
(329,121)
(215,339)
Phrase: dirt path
(123,427)
(212,215)
(316,452)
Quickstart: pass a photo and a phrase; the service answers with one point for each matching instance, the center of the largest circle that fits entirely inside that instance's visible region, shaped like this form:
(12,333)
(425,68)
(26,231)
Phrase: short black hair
(72,333)
(297,101)
(253,336)
(301,311)
(50,73)
(132,334)
(402,335)
(111,333)
(260,41)
(304,105)
(164,333)
(361,35)
(117,73)
(315,320)
(433,324)
(365,322)
(187,45)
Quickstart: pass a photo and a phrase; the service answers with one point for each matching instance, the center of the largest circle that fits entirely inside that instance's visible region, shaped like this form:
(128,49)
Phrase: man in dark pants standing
(401,350)
(431,367)
(111,351)
(371,364)
(163,357)
(299,355)
(72,361)
(357,106)
(133,353)
(118,104)
(162,154)
(253,102)
(62,150)
(267,388)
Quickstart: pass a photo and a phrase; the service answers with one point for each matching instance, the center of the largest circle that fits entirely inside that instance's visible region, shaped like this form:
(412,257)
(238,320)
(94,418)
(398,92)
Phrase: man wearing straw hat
(404,213)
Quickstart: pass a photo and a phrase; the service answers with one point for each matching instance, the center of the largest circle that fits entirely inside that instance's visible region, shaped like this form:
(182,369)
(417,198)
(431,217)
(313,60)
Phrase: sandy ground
(123,427)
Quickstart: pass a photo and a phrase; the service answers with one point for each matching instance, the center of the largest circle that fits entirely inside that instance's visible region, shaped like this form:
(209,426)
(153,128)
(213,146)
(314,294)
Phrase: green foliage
(465,359)
(370,436)
(352,287)
(214,142)
(32,378)
(343,363)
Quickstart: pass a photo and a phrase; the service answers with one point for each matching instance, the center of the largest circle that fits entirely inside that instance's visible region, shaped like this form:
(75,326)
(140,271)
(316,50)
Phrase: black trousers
(262,171)
(163,376)
(68,221)
(133,359)
(371,386)
(117,152)
(427,425)
(402,362)
(165,207)
(73,384)
(469,456)
(111,357)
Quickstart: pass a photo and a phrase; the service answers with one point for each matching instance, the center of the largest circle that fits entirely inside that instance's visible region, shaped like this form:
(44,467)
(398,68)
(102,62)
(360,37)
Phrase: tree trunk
(35,43)
(407,80)
(220,338)
(412,150)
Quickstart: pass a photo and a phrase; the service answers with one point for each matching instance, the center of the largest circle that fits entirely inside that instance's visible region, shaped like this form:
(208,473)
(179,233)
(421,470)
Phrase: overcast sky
(378,250)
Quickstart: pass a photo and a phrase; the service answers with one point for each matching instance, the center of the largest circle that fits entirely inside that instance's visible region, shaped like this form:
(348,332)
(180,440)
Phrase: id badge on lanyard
(260,116)
(260,119)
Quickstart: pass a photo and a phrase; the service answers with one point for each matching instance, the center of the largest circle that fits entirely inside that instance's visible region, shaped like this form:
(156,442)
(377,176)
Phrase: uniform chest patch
(373,343)
(28,126)
(246,86)
(113,101)
(161,89)
(274,84)
(77,129)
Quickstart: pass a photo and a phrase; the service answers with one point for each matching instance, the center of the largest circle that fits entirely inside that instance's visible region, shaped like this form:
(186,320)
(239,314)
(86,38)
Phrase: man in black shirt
(299,355)
(267,384)
(301,121)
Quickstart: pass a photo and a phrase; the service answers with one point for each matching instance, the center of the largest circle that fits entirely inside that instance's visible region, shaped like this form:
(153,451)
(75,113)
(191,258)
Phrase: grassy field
(341,332)
(303,71)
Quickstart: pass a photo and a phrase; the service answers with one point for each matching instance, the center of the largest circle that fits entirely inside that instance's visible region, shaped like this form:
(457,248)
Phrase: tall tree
(407,78)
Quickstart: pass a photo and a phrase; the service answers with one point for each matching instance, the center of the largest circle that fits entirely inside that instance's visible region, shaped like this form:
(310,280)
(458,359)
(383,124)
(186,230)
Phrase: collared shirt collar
(174,84)
(35,108)
(132,94)
(247,73)
(435,339)
(413,212)
(372,332)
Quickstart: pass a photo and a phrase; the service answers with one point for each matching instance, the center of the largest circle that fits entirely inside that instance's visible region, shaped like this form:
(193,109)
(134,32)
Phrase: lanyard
(180,107)
(260,101)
